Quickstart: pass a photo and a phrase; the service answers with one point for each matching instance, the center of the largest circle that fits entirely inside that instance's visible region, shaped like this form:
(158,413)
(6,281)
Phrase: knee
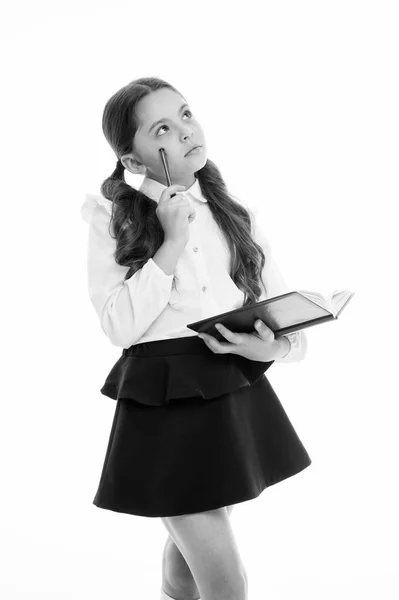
(173,563)
(236,588)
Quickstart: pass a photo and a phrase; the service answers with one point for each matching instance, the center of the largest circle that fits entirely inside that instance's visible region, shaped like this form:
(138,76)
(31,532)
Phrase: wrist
(283,346)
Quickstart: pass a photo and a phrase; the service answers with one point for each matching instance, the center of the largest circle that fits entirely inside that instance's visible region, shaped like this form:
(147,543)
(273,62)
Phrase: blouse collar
(153,189)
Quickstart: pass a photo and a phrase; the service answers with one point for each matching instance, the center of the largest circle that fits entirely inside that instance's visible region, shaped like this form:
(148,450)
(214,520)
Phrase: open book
(283,314)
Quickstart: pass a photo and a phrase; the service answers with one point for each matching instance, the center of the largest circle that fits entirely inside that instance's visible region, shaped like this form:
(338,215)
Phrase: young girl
(197,426)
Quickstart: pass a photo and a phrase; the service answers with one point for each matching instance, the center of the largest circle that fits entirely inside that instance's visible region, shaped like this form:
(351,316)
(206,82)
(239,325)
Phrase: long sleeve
(126,309)
(275,286)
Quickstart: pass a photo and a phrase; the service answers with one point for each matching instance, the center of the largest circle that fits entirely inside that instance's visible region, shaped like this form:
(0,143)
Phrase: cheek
(200,132)
(154,159)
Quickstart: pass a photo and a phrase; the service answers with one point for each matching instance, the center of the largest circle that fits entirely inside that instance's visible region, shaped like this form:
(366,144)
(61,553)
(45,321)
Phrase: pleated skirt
(192,431)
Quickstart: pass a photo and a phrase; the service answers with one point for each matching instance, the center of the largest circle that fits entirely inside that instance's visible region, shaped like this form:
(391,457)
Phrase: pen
(166,168)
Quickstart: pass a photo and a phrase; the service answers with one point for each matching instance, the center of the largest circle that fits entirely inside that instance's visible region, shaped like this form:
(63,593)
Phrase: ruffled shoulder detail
(89,204)
(159,380)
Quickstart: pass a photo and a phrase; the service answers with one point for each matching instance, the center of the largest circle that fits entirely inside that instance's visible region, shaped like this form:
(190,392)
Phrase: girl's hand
(260,346)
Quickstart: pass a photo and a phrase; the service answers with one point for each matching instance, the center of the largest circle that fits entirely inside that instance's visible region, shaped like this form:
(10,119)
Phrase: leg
(177,578)
(207,543)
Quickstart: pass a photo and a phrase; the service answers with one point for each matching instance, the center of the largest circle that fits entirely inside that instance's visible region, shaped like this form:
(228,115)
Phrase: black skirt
(192,431)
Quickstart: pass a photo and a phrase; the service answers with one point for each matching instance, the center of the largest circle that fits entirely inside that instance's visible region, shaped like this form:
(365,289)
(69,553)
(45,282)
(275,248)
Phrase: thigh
(207,543)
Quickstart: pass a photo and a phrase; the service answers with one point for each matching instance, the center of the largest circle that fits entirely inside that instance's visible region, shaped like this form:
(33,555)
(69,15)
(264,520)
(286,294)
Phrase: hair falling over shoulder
(135,225)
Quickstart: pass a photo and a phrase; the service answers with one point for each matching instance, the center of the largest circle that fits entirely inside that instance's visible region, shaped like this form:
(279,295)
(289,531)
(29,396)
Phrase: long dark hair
(136,227)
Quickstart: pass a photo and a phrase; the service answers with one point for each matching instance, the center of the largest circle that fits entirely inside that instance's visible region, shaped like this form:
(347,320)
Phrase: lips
(193,148)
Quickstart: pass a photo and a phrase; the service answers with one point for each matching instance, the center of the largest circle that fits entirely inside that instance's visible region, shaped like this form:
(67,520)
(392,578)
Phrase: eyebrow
(164,119)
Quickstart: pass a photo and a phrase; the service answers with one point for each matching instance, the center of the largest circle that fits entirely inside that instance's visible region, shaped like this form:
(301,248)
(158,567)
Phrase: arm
(126,309)
(284,346)
(276,285)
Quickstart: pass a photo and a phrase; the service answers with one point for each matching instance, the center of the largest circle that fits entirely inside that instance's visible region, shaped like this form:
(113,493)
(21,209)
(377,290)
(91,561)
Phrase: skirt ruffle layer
(187,369)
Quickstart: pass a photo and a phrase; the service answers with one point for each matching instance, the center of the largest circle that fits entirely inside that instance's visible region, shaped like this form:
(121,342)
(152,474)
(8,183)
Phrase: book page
(291,310)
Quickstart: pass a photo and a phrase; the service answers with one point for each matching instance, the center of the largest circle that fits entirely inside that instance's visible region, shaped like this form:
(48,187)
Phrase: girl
(197,426)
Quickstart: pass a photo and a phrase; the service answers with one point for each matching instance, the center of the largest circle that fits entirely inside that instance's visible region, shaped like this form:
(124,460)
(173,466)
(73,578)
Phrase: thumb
(262,327)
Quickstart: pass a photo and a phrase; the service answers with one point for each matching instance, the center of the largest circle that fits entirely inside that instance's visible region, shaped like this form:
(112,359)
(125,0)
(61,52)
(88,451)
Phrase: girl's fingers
(209,341)
(229,335)
(217,346)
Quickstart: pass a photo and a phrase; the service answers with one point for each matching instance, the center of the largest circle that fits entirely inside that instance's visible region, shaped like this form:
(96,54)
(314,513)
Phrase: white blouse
(147,307)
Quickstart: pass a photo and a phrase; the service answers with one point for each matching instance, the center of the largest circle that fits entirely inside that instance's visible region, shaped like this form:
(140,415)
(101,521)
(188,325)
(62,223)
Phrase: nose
(187,134)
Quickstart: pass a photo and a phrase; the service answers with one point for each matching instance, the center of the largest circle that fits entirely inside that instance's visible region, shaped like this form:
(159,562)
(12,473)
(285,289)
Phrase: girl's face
(166,122)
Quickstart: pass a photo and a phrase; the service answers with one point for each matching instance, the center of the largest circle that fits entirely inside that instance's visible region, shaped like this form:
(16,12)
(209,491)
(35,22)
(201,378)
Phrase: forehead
(158,104)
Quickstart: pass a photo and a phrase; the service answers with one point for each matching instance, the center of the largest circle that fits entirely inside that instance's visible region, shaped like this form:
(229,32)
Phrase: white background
(299,103)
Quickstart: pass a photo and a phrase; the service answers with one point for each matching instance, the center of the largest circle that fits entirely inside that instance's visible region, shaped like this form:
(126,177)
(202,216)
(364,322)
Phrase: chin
(200,160)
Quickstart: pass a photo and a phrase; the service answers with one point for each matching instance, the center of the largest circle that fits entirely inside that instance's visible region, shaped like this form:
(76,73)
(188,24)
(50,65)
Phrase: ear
(130,163)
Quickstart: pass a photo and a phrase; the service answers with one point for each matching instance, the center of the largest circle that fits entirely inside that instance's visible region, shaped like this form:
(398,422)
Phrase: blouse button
(195,248)
(204,288)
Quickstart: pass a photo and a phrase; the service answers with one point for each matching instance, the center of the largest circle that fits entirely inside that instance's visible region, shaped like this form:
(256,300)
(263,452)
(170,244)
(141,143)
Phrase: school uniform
(193,430)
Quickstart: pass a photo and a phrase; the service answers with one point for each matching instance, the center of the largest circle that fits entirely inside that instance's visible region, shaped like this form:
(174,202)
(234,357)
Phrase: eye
(162,126)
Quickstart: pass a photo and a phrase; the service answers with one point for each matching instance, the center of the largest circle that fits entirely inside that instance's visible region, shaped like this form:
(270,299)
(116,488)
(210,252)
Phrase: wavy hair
(136,227)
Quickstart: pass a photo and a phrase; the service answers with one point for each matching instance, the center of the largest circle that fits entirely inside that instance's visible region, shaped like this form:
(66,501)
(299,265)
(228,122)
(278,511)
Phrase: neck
(186,180)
